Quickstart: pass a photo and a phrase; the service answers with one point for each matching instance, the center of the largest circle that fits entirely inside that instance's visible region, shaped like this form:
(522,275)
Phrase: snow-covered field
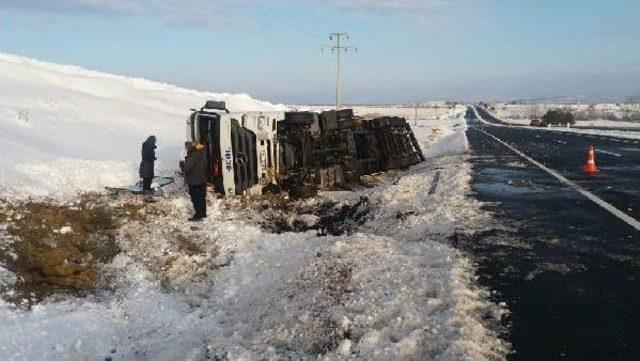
(614,113)
(520,115)
(605,114)
(393,288)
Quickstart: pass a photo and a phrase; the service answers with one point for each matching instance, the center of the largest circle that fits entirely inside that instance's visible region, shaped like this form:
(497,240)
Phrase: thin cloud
(210,12)
(416,15)
(178,13)
(69,6)
(138,6)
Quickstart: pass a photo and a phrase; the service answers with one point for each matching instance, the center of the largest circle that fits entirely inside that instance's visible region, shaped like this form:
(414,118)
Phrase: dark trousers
(146,184)
(199,199)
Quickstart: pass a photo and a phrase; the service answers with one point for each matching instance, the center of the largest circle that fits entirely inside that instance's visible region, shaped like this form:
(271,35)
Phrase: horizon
(469,51)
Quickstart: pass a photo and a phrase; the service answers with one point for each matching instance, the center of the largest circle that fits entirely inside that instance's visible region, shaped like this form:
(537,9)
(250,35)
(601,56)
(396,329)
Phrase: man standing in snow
(147,163)
(194,168)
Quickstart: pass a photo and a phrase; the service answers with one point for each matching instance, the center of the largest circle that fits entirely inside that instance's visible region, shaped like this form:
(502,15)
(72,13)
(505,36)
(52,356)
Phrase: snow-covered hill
(64,129)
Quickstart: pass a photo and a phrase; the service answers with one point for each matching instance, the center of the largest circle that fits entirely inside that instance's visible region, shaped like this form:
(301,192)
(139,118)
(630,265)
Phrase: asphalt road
(567,268)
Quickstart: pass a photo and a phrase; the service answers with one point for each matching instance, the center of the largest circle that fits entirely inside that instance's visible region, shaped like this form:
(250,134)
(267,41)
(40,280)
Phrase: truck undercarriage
(334,148)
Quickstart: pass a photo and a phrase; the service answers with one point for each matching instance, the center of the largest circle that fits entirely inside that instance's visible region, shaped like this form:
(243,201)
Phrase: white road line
(592,197)
(607,152)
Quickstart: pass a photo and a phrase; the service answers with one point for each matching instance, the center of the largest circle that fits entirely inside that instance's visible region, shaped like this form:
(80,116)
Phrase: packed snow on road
(253,280)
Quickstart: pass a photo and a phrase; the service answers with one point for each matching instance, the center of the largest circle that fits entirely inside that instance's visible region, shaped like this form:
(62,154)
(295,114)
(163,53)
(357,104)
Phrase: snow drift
(64,129)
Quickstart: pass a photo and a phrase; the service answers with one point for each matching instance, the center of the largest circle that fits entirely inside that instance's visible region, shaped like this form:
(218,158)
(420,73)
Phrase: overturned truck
(300,152)
(329,149)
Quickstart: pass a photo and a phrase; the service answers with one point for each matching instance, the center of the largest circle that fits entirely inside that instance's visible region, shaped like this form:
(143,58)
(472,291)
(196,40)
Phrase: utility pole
(338,47)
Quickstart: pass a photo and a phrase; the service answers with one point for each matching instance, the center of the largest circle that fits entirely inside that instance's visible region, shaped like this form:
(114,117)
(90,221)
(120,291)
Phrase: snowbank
(64,129)
(442,137)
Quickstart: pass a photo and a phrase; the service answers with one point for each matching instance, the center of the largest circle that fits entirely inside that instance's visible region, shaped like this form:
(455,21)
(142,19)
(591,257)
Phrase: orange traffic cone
(590,167)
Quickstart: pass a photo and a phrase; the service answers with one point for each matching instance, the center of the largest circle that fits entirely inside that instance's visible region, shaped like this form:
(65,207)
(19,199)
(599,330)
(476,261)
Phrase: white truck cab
(241,147)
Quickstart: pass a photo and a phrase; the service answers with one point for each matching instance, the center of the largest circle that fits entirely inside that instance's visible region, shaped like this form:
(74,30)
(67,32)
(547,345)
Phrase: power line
(338,47)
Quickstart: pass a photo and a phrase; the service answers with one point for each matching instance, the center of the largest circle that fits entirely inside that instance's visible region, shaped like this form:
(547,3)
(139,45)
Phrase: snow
(64,129)
(394,289)
(615,113)
(604,114)
(408,298)
(610,133)
(626,134)
(607,123)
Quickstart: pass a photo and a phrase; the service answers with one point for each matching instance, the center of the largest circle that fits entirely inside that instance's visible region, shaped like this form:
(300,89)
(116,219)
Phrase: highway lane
(618,159)
(567,268)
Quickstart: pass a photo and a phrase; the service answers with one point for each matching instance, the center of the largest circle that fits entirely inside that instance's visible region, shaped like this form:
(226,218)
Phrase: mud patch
(60,249)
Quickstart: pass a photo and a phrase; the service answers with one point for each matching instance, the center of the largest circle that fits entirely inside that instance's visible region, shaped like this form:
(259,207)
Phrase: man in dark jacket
(194,168)
(147,163)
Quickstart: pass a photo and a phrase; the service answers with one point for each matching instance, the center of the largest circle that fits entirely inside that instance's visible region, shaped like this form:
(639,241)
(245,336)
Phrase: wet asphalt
(568,270)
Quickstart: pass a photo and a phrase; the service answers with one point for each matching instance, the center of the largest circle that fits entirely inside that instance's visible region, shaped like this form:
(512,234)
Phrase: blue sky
(429,49)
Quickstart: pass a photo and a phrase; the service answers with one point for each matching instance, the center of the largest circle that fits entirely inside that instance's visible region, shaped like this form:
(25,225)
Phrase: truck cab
(241,148)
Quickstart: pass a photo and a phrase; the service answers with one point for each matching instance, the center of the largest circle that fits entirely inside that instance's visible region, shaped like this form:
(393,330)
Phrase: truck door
(245,162)
(204,128)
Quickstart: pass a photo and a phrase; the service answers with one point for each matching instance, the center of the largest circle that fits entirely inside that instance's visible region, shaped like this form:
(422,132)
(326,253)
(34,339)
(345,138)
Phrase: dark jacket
(148,158)
(194,168)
